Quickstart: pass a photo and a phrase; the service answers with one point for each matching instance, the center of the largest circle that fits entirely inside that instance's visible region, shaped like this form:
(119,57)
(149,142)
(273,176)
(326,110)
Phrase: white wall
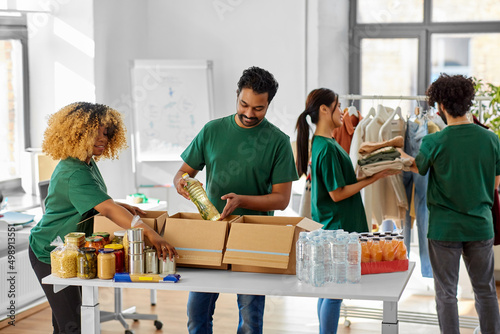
(234,34)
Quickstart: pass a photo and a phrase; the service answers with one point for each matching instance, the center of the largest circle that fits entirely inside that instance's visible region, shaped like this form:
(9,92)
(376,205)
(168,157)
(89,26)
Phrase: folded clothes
(383,156)
(380,150)
(396,164)
(369,147)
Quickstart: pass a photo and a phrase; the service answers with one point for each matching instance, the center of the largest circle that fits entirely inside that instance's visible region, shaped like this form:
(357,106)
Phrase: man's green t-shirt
(462,161)
(244,161)
(75,189)
(331,168)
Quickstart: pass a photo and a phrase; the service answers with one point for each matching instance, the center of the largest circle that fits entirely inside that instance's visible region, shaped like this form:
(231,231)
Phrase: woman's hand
(132,209)
(163,248)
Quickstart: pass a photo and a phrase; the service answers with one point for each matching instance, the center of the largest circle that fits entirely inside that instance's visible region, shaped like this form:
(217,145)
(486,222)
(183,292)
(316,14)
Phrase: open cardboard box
(265,244)
(200,243)
(154,219)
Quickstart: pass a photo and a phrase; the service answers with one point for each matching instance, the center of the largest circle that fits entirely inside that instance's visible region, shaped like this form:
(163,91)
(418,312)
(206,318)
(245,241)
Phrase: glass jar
(94,242)
(118,237)
(86,265)
(75,238)
(119,256)
(106,263)
(104,235)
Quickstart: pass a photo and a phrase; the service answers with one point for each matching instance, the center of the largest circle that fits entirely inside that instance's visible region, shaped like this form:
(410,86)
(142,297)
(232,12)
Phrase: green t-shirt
(462,161)
(331,168)
(240,160)
(75,189)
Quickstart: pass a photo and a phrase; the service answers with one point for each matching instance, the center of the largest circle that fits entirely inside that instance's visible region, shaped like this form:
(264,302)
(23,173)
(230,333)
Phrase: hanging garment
(372,192)
(414,134)
(395,201)
(358,138)
(343,134)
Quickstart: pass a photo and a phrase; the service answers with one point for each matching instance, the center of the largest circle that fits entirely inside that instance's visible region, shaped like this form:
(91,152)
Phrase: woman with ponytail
(335,199)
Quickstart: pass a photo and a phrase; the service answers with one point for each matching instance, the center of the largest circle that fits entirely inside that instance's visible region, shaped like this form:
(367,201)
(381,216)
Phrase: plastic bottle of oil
(200,199)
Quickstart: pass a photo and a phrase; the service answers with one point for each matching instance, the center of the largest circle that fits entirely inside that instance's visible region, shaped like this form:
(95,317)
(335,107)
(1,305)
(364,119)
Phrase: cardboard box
(383,267)
(200,243)
(265,244)
(154,219)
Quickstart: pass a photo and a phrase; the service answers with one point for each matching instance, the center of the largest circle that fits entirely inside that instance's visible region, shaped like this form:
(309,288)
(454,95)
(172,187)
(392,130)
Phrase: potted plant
(490,109)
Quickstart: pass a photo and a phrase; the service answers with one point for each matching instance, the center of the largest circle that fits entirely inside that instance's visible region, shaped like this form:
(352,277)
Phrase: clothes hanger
(353,111)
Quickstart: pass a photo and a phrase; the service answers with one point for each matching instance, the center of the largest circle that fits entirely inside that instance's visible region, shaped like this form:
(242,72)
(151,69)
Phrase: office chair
(119,313)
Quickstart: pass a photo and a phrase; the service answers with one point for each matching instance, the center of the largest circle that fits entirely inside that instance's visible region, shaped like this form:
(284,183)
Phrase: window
(400,47)
(14,133)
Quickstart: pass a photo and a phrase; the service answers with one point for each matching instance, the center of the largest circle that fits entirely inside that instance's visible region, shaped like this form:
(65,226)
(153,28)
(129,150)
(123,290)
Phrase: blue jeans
(478,258)
(201,307)
(414,135)
(328,315)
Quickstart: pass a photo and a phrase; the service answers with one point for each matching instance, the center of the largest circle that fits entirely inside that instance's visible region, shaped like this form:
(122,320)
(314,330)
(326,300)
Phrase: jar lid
(106,250)
(87,250)
(102,234)
(114,246)
(120,233)
(94,239)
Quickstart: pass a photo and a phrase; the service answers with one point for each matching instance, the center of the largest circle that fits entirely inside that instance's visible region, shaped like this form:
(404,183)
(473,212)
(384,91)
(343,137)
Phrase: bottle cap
(106,250)
(185,175)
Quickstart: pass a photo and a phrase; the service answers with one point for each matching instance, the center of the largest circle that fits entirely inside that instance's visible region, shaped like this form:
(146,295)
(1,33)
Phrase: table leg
(390,318)
(91,320)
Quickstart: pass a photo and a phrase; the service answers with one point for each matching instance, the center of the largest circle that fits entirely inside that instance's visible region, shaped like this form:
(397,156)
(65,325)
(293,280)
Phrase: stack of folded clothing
(376,157)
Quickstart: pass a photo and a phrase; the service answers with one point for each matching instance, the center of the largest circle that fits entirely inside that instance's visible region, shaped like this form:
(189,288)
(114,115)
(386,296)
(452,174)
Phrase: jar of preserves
(119,256)
(104,235)
(94,242)
(86,265)
(106,263)
(118,237)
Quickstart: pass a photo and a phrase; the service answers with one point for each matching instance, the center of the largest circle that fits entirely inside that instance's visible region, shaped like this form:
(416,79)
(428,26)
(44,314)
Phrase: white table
(385,287)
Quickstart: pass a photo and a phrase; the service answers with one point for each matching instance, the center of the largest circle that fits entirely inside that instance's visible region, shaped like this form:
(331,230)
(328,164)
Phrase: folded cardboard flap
(257,244)
(154,219)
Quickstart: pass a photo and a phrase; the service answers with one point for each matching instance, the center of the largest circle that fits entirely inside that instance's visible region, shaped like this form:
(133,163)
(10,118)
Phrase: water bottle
(317,269)
(302,257)
(328,259)
(340,257)
(353,259)
(200,199)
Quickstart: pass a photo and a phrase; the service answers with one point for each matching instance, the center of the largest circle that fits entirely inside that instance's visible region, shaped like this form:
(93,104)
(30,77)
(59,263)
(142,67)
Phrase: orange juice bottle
(388,249)
(376,250)
(382,243)
(365,250)
(400,248)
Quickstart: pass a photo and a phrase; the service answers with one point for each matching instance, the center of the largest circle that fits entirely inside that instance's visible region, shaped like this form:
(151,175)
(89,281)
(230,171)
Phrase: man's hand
(233,202)
(180,188)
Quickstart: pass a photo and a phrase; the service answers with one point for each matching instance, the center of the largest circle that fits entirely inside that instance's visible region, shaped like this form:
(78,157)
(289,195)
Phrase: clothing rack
(409,97)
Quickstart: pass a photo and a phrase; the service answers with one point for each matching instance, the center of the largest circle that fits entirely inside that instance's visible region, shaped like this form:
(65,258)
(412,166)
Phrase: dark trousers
(65,304)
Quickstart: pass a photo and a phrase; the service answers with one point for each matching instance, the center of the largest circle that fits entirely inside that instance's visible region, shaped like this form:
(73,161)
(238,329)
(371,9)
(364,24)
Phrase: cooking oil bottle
(200,199)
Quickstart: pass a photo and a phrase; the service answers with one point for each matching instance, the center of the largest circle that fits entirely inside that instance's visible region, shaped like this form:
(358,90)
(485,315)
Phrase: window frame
(422,31)
(16,27)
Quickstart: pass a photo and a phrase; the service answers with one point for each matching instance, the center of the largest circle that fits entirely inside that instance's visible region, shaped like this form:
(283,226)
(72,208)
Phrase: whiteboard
(173,100)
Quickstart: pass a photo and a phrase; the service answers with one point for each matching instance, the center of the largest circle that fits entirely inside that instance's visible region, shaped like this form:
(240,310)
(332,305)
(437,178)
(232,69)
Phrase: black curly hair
(455,93)
(260,81)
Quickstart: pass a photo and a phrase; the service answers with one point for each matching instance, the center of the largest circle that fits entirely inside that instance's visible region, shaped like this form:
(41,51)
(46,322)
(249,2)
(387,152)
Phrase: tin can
(136,263)
(150,261)
(136,247)
(167,267)
(135,234)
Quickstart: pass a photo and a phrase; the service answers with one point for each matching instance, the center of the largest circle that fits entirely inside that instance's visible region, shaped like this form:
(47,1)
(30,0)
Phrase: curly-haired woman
(78,135)
(463,161)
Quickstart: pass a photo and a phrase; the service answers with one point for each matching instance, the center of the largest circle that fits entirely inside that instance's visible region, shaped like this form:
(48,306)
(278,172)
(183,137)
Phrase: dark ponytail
(315,99)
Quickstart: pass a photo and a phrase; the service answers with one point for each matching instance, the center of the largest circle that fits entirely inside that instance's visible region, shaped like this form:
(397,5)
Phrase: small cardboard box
(265,244)
(154,219)
(200,243)
(383,267)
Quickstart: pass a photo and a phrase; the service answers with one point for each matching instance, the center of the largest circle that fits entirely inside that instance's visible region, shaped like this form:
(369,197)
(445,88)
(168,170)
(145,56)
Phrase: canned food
(136,247)
(135,234)
(136,263)
(167,267)
(150,261)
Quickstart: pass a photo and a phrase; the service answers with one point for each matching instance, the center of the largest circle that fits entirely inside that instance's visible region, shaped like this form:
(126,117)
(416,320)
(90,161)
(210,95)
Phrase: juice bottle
(388,250)
(200,199)
(365,251)
(375,250)
(400,248)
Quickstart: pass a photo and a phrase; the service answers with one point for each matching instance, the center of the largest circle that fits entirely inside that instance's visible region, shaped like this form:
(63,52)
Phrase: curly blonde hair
(71,132)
